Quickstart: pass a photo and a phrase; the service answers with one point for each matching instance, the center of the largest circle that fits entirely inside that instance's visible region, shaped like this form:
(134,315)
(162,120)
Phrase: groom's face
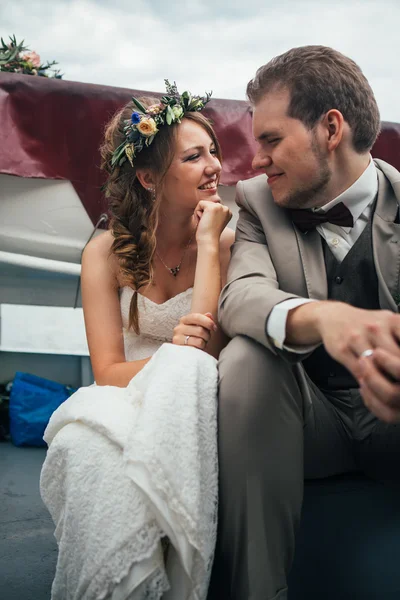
(292,156)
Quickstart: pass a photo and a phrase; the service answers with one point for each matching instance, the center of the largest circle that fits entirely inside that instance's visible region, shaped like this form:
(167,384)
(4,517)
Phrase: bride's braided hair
(134,212)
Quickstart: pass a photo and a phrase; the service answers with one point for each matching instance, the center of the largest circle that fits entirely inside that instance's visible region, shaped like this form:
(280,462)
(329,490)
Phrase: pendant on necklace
(175,270)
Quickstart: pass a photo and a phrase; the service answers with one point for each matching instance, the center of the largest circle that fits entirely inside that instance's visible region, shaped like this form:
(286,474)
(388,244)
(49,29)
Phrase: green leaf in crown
(139,106)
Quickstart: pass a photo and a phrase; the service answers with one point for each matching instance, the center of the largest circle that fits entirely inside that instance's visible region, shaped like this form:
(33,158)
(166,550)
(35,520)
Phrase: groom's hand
(347,332)
(380,384)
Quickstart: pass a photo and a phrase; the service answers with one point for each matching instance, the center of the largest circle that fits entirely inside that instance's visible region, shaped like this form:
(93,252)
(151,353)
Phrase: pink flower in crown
(155,109)
(33,58)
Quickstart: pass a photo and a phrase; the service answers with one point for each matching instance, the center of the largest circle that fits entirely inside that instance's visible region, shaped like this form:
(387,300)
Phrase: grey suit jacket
(273,261)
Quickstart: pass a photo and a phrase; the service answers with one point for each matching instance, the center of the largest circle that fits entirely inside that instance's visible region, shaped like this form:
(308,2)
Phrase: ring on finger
(186,339)
(368,352)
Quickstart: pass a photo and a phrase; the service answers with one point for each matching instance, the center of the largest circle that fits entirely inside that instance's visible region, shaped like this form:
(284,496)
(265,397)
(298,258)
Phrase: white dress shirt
(359,199)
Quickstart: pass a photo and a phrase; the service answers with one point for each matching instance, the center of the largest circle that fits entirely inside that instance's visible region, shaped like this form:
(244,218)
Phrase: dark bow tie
(307,219)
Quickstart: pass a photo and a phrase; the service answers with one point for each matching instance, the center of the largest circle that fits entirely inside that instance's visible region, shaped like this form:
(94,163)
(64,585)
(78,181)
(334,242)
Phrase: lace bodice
(156,321)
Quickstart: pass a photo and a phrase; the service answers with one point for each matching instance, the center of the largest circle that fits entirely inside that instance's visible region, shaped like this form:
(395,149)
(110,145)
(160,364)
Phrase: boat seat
(49,330)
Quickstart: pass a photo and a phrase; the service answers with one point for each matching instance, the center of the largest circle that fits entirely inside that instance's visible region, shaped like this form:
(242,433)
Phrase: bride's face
(195,168)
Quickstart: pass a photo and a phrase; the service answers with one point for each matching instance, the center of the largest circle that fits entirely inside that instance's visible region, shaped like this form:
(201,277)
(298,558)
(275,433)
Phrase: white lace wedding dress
(129,467)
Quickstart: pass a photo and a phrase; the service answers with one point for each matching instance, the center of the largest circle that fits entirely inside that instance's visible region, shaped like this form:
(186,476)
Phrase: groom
(309,384)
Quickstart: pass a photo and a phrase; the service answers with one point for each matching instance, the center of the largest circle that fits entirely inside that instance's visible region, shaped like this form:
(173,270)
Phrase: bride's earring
(152,192)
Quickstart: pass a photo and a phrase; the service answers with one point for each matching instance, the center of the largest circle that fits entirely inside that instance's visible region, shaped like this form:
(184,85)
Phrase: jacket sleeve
(252,288)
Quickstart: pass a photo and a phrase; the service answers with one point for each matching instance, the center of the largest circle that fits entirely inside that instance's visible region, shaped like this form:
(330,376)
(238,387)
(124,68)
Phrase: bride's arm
(213,252)
(210,277)
(102,313)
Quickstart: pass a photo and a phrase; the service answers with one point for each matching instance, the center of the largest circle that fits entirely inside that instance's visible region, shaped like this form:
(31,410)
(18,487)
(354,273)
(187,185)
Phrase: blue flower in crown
(135,118)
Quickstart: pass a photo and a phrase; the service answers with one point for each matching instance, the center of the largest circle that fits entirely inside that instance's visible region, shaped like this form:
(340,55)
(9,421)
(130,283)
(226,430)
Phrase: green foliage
(139,106)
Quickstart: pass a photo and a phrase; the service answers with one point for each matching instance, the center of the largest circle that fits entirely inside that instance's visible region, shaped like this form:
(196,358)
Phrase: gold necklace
(175,270)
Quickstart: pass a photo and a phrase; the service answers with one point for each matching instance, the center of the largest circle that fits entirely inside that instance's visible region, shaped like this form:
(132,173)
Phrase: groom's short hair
(319,79)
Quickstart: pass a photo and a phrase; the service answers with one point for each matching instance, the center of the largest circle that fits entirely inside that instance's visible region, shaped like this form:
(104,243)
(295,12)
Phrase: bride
(130,477)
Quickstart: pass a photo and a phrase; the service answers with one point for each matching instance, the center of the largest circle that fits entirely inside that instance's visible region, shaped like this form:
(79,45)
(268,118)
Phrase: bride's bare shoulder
(100,245)
(98,253)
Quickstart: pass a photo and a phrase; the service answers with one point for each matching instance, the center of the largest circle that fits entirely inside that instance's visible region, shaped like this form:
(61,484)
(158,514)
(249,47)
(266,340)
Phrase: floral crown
(141,129)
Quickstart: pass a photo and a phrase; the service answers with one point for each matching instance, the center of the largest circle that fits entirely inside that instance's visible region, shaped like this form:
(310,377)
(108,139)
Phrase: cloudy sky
(205,44)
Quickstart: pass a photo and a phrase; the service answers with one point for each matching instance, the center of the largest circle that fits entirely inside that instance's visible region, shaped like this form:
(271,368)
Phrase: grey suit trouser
(275,429)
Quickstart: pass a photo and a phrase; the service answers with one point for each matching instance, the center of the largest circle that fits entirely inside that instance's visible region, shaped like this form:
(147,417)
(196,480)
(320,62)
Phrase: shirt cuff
(276,325)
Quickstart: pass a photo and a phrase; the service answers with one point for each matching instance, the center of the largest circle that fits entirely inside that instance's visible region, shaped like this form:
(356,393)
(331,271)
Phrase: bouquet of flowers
(16,58)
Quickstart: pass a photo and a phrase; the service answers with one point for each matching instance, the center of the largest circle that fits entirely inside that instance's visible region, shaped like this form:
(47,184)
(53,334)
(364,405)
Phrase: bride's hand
(212,218)
(194,330)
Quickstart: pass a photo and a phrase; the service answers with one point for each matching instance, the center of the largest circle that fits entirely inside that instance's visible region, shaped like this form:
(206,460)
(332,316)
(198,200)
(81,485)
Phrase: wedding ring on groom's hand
(186,339)
(367,353)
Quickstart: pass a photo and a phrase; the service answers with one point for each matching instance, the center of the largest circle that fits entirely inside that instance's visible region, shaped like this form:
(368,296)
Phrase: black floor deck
(28,549)
(352,562)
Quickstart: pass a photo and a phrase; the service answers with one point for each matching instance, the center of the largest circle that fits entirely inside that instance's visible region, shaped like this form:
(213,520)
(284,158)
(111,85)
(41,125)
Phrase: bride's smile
(195,169)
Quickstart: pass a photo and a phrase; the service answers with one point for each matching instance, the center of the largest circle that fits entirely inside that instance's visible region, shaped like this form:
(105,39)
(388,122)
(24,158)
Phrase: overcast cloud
(205,44)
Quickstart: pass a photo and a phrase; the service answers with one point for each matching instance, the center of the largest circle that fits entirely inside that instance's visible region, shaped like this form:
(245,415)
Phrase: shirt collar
(359,195)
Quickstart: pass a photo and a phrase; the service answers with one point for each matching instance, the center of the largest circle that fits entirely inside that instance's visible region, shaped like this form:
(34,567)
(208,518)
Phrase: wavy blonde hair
(134,214)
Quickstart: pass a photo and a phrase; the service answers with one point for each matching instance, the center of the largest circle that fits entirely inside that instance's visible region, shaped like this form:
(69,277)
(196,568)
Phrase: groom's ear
(334,127)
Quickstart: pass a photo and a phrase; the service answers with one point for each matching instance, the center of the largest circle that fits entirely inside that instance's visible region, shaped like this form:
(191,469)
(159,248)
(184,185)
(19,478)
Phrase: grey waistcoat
(355,282)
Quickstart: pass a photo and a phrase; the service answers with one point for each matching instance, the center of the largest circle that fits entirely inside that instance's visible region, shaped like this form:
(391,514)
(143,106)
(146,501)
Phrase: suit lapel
(312,257)
(300,255)
(386,243)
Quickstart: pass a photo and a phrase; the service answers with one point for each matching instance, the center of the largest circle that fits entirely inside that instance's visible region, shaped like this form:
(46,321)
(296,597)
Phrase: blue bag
(32,401)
